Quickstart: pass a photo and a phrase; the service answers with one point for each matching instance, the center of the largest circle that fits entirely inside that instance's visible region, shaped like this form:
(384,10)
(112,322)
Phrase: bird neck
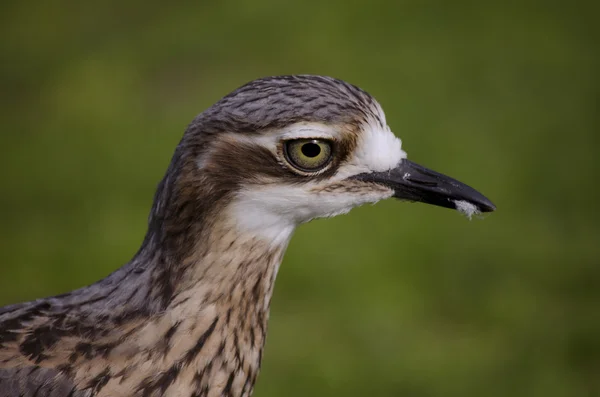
(208,332)
(196,242)
(222,265)
(198,296)
(223,299)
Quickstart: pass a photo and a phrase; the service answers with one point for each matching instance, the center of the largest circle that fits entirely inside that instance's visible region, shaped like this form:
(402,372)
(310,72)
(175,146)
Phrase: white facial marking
(270,139)
(273,211)
(252,214)
(379,149)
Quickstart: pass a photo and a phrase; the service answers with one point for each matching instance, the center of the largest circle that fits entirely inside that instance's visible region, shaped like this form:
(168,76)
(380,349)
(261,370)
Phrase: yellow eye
(308,155)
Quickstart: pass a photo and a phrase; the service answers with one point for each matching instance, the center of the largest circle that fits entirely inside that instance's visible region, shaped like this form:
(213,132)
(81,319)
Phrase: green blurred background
(397,299)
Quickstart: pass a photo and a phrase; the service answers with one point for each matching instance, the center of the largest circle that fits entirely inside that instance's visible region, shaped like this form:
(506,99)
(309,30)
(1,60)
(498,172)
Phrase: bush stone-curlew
(187,316)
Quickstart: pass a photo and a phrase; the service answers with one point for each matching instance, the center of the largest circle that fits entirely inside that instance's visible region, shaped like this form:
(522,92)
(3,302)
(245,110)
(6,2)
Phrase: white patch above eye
(270,139)
(378,149)
(308,130)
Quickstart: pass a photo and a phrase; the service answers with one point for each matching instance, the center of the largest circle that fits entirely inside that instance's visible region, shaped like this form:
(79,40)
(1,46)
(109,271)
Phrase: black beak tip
(473,197)
(486,206)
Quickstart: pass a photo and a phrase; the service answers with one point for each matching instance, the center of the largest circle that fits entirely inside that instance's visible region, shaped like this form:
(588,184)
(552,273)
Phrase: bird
(187,315)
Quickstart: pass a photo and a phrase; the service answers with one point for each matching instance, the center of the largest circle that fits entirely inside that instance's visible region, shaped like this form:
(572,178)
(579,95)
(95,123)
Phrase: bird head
(281,151)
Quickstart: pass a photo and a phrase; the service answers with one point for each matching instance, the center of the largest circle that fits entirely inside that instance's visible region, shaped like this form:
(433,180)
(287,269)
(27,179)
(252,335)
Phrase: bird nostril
(423,182)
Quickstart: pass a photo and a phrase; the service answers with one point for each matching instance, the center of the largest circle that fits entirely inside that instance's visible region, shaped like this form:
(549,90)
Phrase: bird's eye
(308,155)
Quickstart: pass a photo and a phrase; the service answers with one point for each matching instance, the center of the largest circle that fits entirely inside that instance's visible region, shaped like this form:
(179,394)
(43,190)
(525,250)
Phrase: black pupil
(311,149)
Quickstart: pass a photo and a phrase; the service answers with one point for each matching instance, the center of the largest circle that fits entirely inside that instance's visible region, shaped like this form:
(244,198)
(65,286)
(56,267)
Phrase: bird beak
(413,182)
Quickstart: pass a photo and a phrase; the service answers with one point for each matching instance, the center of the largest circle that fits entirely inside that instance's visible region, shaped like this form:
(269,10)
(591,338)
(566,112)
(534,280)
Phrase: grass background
(396,299)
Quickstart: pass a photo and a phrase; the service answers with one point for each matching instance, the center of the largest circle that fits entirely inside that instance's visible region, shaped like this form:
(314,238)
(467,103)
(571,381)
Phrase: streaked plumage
(187,316)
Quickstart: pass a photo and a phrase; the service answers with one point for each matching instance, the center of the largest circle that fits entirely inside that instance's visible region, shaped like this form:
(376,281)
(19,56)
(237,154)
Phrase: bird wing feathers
(24,337)
(34,381)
